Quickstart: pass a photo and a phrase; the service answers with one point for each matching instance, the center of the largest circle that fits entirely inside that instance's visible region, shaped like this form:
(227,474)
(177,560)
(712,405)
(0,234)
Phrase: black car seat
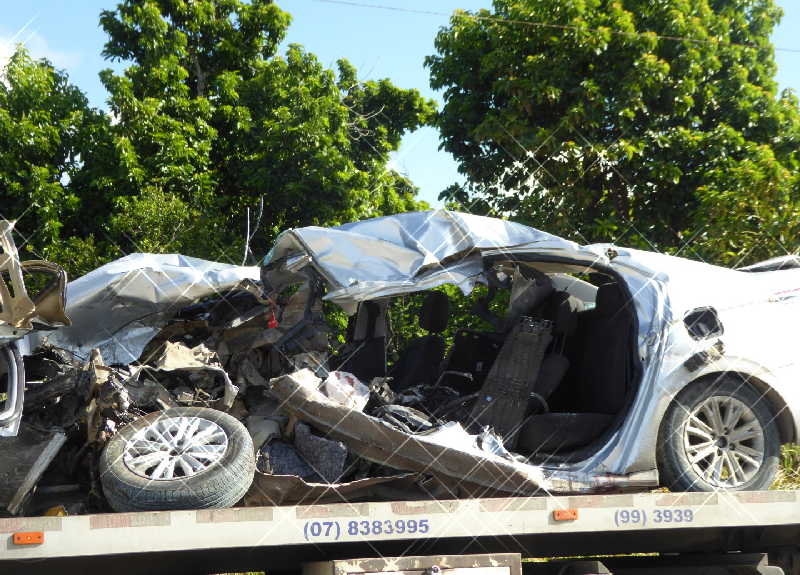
(420,361)
(599,378)
(605,367)
(473,352)
(364,355)
(536,297)
(562,310)
(552,432)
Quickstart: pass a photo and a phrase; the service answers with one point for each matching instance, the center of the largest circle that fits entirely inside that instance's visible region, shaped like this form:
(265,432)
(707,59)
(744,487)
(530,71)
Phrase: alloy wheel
(724,442)
(175,447)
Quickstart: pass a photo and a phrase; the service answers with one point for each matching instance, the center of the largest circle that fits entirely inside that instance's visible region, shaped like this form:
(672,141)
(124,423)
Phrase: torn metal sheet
(18,312)
(403,253)
(120,306)
(51,299)
(17,308)
(146,393)
(23,459)
(178,357)
(376,441)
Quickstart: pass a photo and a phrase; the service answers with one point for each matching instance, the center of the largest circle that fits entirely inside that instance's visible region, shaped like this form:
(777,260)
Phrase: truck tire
(719,435)
(181,458)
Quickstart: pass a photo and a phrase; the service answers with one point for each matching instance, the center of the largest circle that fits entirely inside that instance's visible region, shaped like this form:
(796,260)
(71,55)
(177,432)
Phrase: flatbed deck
(281,538)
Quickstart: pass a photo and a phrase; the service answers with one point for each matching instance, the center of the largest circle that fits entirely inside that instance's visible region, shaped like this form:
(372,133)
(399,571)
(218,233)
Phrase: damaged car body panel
(400,254)
(450,453)
(122,305)
(668,291)
(20,314)
(18,309)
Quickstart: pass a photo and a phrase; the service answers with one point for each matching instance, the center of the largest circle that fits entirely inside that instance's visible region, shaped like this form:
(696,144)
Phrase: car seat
(604,371)
(601,372)
(365,353)
(562,310)
(420,361)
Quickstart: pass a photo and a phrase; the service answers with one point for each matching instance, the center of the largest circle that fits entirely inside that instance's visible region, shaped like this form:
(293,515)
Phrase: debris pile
(318,435)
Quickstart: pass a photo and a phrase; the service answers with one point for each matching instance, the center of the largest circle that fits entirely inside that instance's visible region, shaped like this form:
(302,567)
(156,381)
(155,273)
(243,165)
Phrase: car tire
(704,447)
(151,465)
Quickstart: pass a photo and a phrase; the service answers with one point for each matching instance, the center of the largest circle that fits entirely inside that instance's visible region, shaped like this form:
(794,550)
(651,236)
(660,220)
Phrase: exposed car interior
(574,393)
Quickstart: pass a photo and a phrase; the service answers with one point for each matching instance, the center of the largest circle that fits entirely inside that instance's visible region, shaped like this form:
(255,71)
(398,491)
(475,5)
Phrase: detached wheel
(182,458)
(719,435)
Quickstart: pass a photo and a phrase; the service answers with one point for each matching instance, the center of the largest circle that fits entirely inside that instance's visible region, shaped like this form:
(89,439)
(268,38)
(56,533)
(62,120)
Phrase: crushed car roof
(405,252)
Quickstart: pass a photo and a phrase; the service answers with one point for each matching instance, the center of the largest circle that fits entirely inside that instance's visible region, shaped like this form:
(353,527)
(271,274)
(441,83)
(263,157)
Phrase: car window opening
(436,349)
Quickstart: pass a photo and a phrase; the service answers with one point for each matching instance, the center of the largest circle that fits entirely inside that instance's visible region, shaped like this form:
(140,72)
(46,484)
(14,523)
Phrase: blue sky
(380,43)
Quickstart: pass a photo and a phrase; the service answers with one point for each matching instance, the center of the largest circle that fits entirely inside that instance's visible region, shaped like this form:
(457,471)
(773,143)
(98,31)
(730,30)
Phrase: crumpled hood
(120,306)
(405,252)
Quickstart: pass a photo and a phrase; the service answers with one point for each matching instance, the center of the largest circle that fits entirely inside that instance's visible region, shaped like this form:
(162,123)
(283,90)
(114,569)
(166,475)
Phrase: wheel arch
(787,427)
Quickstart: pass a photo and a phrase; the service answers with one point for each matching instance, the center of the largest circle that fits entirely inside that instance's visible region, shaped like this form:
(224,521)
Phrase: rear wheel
(719,435)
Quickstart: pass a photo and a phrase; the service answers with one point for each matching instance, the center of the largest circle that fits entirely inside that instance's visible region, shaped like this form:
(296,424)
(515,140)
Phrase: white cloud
(6,50)
(37,46)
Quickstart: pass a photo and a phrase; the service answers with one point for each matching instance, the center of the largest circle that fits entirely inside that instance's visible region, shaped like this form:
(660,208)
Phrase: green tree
(47,136)
(656,124)
(210,121)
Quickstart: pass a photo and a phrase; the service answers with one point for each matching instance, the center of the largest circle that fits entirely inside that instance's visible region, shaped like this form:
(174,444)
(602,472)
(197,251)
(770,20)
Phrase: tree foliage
(206,124)
(47,130)
(654,123)
(211,122)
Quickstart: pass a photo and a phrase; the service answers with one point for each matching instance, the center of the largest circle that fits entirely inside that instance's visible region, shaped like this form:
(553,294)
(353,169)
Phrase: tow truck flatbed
(282,538)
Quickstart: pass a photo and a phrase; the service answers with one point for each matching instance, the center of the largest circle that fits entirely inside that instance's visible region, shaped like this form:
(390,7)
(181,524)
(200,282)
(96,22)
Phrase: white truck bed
(281,538)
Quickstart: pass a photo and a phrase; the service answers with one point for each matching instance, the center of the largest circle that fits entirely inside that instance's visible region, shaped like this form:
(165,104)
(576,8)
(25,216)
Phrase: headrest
(526,296)
(363,325)
(435,312)
(610,299)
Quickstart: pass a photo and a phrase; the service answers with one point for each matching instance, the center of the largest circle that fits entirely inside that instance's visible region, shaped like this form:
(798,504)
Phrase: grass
(789,473)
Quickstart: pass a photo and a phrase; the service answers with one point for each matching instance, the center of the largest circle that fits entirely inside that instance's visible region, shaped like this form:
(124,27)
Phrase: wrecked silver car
(596,367)
(423,355)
